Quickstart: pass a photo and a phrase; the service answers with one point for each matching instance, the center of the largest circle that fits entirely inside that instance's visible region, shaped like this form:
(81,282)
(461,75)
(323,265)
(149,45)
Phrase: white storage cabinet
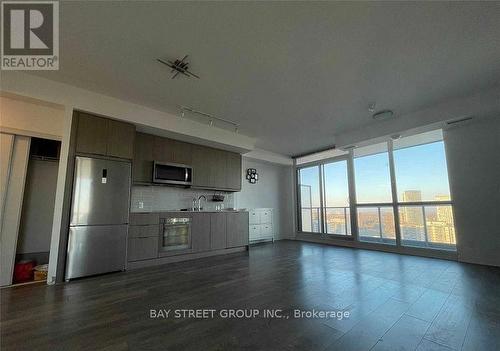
(261,224)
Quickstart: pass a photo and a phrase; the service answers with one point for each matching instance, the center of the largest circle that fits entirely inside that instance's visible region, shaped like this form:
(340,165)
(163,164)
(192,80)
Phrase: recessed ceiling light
(381,115)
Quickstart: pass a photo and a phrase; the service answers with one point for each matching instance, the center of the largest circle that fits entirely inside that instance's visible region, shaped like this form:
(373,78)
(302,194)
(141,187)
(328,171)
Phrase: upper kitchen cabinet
(212,168)
(102,136)
(201,166)
(171,151)
(92,134)
(233,171)
(216,169)
(120,139)
(142,165)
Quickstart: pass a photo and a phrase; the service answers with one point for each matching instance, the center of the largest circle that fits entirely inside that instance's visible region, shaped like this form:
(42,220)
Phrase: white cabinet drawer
(254,217)
(266,216)
(255,231)
(266,230)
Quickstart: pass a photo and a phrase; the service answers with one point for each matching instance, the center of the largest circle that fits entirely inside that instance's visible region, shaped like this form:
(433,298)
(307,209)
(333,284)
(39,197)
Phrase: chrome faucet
(199,201)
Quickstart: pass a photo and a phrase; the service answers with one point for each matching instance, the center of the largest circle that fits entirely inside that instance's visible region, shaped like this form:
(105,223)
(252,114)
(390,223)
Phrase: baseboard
(180,258)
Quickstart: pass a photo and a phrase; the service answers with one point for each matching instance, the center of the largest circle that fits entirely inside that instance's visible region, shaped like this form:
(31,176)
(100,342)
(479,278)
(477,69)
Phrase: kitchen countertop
(191,211)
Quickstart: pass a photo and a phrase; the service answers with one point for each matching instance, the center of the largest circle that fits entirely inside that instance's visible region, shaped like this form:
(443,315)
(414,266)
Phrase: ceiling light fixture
(179,67)
(211,118)
(381,115)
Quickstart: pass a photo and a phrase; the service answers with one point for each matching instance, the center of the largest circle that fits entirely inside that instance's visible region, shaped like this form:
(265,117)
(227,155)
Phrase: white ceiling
(292,74)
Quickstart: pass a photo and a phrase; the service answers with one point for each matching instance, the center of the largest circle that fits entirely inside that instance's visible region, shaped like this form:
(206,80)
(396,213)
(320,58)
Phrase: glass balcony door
(310,199)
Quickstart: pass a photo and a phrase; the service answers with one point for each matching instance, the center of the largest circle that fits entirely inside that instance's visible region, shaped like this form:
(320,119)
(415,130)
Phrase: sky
(420,167)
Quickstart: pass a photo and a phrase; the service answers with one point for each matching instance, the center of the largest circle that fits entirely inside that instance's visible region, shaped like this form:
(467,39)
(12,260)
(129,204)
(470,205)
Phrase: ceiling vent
(348,147)
(460,120)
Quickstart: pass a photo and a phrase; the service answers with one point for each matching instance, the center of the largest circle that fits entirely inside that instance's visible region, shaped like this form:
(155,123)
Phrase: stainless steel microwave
(172,173)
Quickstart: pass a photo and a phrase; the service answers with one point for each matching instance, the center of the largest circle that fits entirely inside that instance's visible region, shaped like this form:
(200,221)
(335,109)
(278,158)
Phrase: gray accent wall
(274,189)
(473,154)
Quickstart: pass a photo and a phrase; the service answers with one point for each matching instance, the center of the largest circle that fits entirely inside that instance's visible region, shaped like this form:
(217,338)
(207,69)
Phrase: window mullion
(395,208)
(425,226)
(352,196)
(321,199)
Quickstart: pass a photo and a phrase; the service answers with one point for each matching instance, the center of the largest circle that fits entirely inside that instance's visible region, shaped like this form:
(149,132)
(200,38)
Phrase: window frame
(395,204)
(320,164)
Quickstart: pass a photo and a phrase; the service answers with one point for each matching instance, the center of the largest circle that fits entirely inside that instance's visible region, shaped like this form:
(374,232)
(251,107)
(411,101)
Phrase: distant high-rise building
(412,215)
(412,196)
(444,213)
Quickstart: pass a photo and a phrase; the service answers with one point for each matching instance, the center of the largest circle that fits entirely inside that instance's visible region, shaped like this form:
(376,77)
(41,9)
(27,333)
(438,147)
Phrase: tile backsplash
(164,198)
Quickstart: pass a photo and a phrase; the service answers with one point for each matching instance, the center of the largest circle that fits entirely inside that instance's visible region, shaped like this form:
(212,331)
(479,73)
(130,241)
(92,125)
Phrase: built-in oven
(172,173)
(176,234)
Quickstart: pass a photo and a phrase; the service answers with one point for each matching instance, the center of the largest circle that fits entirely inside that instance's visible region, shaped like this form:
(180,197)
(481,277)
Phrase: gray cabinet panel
(92,134)
(182,152)
(144,231)
(102,136)
(120,141)
(143,158)
(144,218)
(217,231)
(143,248)
(237,229)
(218,169)
(201,166)
(163,149)
(200,232)
(233,171)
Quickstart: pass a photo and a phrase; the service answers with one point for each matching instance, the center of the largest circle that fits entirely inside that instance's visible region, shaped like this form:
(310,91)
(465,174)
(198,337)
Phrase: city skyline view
(421,176)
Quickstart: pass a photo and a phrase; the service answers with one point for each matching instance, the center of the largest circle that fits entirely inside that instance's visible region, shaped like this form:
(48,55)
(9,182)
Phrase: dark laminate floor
(396,303)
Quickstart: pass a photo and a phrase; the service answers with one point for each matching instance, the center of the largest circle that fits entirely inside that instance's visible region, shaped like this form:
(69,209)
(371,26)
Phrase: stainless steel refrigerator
(99,217)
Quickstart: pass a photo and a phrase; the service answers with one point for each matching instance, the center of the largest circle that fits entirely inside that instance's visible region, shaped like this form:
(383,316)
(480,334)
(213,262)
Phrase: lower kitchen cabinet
(142,248)
(200,232)
(210,231)
(237,229)
(217,231)
(143,238)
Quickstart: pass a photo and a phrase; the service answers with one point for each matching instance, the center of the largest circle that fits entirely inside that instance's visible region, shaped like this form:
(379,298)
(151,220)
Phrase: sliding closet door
(12,196)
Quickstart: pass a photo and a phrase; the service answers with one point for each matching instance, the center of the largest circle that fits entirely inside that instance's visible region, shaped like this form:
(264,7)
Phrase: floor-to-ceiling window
(374,202)
(400,194)
(423,192)
(336,211)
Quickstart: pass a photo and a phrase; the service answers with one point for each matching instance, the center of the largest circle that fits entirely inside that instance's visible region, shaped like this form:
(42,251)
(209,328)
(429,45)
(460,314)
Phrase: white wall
(23,116)
(273,190)
(473,154)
